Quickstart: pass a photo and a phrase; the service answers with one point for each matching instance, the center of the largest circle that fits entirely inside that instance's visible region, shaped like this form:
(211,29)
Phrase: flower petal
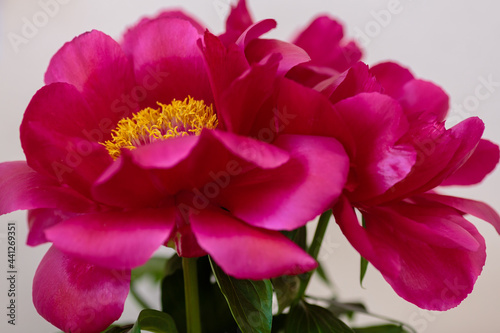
(424,99)
(57,135)
(467,206)
(114,239)
(166,57)
(41,219)
(255,31)
(429,254)
(96,65)
(76,296)
(23,188)
(392,77)
(483,160)
(322,40)
(295,193)
(237,22)
(247,252)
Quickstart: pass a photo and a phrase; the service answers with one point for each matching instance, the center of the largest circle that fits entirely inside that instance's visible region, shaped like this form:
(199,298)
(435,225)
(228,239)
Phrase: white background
(453,43)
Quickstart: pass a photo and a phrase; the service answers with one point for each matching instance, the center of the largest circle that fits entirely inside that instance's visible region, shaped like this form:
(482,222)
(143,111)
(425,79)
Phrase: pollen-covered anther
(179,118)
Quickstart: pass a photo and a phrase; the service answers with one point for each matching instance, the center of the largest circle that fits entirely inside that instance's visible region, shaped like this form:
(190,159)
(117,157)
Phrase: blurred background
(455,44)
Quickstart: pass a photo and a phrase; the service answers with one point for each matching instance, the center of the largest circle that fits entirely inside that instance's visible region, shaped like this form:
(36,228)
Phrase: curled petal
(121,240)
(237,22)
(22,188)
(76,296)
(392,77)
(483,161)
(298,191)
(246,252)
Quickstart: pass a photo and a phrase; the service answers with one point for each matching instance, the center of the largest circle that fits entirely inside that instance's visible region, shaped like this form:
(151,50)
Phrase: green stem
(191,295)
(314,251)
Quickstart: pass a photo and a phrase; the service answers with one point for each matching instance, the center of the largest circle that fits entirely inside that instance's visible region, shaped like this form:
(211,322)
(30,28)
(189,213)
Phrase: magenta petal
(322,40)
(247,252)
(441,253)
(22,188)
(420,98)
(255,31)
(288,197)
(41,219)
(472,207)
(237,22)
(114,239)
(392,77)
(76,296)
(96,65)
(260,49)
(166,57)
(483,160)
(60,135)
(175,14)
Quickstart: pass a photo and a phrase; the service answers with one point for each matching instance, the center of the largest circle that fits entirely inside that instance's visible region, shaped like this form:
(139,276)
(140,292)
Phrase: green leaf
(118,329)
(314,319)
(154,321)
(381,329)
(348,309)
(250,301)
(286,288)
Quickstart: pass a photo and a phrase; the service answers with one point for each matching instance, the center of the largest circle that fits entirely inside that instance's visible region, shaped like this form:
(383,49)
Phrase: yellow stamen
(179,118)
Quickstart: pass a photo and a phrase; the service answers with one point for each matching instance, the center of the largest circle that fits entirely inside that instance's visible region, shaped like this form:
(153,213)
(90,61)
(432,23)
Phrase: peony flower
(393,128)
(163,139)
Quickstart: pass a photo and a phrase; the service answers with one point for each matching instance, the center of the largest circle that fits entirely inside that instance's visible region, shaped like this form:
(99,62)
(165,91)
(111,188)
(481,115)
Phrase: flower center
(179,118)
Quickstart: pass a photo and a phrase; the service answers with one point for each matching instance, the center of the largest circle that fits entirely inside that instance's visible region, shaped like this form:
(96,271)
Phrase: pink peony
(162,138)
(393,128)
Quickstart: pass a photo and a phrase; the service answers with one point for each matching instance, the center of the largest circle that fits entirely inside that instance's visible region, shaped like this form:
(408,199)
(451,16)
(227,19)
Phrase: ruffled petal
(466,206)
(483,161)
(76,296)
(322,40)
(166,56)
(392,77)
(261,49)
(237,22)
(247,252)
(424,99)
(429,254)
(23,188)
(148,175)
(96,65)
(41,219)
(376,122)
(114,239)
(255,31)
(440,153)
(295,193)
(57,139)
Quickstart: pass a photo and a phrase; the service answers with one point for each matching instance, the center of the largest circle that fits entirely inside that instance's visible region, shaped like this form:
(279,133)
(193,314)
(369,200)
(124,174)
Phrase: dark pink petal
(96,65)
(153,173)
(304,111)
(421,98)
(376,122)
(482,161)
(247,252)
(166,56)
(114,239)
(57,139)
(357,80)
(295,193)
(322,40)
(255,31)
(43,218)
(237,22)
(429,254)
(392,77)
(466,206)
(76,296)
(441,253)
(174,14)
(23,188)
(261,49)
